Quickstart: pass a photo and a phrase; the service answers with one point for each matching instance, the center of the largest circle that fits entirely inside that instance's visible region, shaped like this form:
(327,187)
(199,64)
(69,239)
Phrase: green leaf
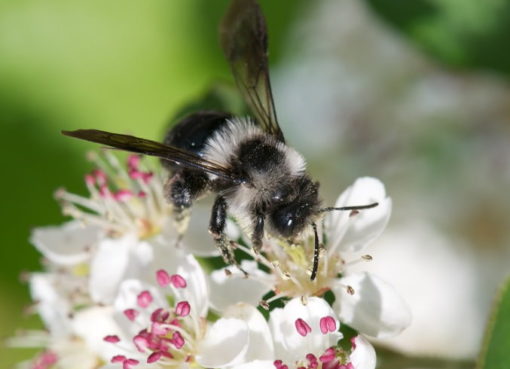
(459,33)
(494,354)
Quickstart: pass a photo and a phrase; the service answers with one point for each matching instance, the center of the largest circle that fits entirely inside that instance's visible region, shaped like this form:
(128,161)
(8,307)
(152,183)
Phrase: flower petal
(230,289)
(116,260)
(257,364)
(260,340)
(290,346)
(67,244)
(92,325)
(224,344)
(363,356)
(52,307)
(375,308)
(352,233)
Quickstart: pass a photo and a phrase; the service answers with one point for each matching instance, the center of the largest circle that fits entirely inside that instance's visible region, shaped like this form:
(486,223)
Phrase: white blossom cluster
(119,291)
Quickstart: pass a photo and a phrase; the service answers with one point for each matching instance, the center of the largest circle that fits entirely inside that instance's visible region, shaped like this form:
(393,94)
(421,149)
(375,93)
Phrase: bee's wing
(173,154)
(243,38)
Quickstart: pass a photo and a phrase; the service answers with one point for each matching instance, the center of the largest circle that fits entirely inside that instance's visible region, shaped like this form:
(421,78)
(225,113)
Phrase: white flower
(363,301)
(166,326)
(73,338)
(305,335)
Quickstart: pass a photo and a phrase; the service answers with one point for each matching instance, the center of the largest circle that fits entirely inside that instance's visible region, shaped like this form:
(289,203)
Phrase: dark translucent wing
(243,37)
(142,146)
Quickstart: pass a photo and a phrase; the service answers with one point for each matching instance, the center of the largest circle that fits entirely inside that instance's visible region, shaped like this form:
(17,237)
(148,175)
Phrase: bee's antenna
(355,207)
(316,252)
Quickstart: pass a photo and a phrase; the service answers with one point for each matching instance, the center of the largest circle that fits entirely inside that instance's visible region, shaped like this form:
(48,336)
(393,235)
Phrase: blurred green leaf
(460,33)
(494,353)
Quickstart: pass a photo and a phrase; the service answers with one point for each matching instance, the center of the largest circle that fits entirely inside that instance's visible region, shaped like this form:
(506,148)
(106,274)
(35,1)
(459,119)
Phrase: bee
(256,176)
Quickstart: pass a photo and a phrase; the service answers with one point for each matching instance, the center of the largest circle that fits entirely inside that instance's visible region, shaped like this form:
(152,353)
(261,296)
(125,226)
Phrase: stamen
(144,299)
(327,324)
(111,339)
(312,361)
(133,161)
(160,329)
(129,363)
(141,342)
(163,278)
(328,355)
(155,356)
(90,180)
(45,360)
(302,327)
(131,314)
(178,281)
(264,304)
(159,315)
(101,177)
(182,309)
(177,340)
(362,259)
(258,257)
(123,195)
(118,359)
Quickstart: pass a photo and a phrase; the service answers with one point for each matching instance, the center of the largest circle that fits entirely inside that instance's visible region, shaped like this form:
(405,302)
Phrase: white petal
(224,344)
(92,325)
(68,244)
(52,307)
(74,353)
(257,364)
(290,346)
(116,260)
(260,340)
(352,233)
(234,288)
(197,239)
(363,356)
(375,308)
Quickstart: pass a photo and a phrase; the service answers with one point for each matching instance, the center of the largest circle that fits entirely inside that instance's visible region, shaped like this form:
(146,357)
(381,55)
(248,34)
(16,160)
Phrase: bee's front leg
(258,230)
(182,188)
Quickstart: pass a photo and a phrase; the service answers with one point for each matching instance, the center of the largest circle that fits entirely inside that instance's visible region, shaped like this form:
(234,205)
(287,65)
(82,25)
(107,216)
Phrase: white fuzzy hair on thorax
(224,144)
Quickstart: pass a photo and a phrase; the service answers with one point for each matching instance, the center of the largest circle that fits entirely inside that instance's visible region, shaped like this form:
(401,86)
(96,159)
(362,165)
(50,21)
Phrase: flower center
(168,336)
(331,358)
(293,267)
(122,197)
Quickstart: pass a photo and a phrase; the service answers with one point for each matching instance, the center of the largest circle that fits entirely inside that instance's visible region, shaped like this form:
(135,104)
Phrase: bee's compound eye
(286,220)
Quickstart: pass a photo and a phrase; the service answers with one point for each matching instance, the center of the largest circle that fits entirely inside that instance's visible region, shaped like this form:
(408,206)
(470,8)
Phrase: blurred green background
(423,84)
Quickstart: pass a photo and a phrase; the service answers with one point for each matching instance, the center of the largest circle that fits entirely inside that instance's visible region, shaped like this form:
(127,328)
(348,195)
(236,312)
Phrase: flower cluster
(119,291)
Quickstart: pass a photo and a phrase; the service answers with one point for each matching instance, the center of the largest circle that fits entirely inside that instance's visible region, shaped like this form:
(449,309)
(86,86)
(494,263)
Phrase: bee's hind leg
(182,188)
(217,230)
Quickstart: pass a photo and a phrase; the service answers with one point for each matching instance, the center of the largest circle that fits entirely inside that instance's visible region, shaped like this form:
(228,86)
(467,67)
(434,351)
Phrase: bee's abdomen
(192,132)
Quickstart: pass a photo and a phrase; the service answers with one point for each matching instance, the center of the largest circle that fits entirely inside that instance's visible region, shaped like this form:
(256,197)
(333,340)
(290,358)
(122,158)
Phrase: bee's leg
(182,188)
(258,230)
(217,229)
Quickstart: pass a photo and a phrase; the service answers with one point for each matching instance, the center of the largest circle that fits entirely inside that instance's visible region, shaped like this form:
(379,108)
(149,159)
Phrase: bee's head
(294,206)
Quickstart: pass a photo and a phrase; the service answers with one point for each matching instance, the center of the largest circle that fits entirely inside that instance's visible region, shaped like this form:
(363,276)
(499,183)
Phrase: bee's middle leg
(217,226)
